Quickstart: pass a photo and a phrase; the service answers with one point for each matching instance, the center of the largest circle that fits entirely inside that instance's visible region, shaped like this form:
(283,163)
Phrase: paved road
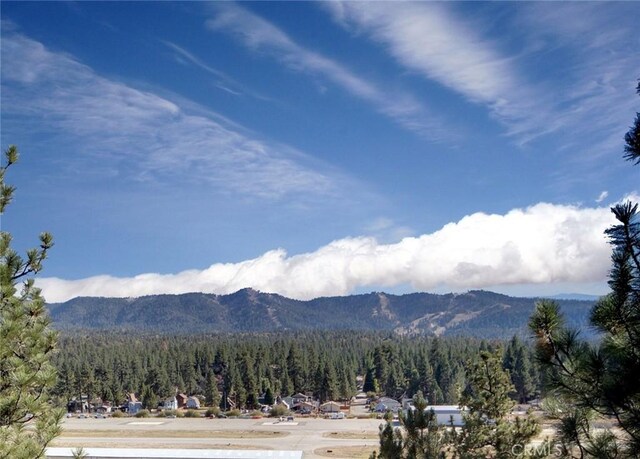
(306,434)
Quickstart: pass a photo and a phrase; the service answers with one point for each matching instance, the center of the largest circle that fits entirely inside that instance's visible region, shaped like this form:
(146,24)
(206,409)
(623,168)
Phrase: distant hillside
(476,313)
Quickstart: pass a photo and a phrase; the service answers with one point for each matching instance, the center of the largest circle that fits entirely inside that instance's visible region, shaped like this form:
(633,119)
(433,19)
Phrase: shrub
(191,414)
(143,414)
(233,413)
(256,414)
(117,414)
(212,412)
(278,411)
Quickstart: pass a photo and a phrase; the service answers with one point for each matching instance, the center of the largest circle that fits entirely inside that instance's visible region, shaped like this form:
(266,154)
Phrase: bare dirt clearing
(354,452)
(136,433)
(92,443)
(352,435)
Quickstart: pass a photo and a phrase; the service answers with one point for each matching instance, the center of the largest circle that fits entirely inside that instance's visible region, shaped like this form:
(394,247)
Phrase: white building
(193,403)
(170,404)
(444,413)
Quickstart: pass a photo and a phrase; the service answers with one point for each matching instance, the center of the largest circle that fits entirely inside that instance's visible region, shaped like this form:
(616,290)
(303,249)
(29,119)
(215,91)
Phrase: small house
(330,407)
(170,403)
(447,413)
(193,403)
(307,407)
(385,404)
(133,405)
(182,400)
(299,398)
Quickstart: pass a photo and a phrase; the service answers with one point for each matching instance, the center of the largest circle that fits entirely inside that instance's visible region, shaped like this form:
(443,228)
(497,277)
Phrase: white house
(330,407)
(385,404)
(445,414)
(193,403)
(170,404)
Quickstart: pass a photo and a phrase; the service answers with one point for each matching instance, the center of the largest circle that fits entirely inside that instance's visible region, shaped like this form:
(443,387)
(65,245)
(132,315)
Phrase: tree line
(243,367)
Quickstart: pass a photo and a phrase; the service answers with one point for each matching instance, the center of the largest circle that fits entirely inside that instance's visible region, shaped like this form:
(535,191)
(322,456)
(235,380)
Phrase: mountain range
(475,313)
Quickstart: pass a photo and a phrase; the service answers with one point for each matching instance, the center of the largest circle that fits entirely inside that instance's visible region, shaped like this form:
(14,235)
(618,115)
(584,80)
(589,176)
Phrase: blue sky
(315,149)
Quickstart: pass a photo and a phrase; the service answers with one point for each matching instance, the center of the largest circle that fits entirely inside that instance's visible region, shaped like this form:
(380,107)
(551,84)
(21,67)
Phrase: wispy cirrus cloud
(589,51)
(600,66)
(602,196)
(223,81)
(258,34)
(429,39)
(544,244)
(110,128)
(439,43)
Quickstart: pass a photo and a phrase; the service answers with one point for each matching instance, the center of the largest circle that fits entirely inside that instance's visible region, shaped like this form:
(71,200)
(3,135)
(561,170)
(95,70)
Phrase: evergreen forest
(241,368)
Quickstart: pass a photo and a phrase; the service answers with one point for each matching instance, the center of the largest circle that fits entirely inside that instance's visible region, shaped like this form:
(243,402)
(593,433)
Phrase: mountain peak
(475,313)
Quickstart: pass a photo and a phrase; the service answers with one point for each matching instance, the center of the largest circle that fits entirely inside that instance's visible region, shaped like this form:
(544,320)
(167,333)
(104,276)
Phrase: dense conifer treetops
(245,367)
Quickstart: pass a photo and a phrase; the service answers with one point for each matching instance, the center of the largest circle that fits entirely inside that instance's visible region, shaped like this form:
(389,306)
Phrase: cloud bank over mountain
(542,244)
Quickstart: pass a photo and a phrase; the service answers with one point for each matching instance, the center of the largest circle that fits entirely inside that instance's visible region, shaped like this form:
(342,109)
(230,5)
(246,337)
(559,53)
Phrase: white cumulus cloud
(542,244)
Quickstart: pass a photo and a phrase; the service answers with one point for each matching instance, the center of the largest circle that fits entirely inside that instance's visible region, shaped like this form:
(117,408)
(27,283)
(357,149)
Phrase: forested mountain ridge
(475,313)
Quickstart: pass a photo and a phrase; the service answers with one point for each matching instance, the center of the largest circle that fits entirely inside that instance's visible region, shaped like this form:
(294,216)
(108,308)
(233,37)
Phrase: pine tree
(26,346)
(158,381)
(521,377)
(488,432)
(381,357)
(632,138)
(600,379)
(149,398)
(65,383)
(269,399)
(211,392)
(369,381)
(423,437)
(295,369)
(85,382)
(391,443)
(328,388)
(517,362)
